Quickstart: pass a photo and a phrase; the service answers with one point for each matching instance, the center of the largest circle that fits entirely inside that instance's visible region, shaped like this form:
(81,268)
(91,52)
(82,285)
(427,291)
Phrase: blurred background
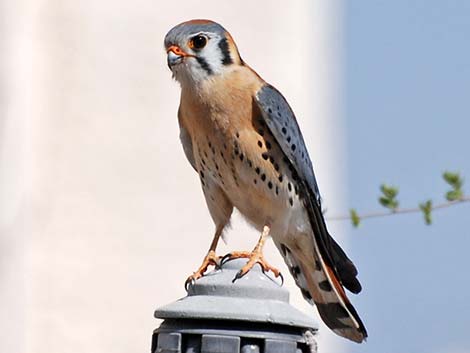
(102,218)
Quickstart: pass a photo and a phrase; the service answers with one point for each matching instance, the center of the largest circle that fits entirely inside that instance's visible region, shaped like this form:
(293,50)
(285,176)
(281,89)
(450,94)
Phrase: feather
(321,279)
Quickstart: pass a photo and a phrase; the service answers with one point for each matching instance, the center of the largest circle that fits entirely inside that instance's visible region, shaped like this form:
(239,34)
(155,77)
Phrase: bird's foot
(210,259)
(254,257)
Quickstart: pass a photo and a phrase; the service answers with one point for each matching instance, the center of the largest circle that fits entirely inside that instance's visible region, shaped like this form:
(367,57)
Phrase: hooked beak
(175,55)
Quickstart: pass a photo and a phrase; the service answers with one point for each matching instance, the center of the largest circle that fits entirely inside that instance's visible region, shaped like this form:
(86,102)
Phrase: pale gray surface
(218,315)
(255,297)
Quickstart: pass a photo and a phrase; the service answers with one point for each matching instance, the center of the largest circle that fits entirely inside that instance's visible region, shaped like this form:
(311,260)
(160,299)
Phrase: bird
(242,138)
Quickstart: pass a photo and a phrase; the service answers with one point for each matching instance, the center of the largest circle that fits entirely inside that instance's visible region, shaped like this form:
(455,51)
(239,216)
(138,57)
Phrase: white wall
(101,217)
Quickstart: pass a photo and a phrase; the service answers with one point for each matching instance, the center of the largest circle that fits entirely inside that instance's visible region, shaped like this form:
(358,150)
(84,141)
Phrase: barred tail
(320,286)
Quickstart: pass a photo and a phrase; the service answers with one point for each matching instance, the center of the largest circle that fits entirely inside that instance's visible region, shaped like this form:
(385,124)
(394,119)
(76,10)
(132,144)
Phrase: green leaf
(454,195)
(456,182)
(426,208)
(453,179)
(389,191)
(355,219)
(388,198)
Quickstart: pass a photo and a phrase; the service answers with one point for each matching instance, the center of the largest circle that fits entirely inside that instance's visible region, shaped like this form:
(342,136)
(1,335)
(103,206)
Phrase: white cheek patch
(213,56)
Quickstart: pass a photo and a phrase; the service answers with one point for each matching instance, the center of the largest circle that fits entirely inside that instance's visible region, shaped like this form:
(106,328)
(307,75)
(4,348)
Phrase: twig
(379,214)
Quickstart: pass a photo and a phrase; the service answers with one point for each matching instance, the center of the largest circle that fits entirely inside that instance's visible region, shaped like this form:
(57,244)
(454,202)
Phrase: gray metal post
(252,315)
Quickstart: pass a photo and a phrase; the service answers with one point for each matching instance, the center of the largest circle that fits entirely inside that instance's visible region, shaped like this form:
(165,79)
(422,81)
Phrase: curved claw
(210,259)
(224,259)
(235,255)
(276,275)
(282,278)
(239,275)
(189,282)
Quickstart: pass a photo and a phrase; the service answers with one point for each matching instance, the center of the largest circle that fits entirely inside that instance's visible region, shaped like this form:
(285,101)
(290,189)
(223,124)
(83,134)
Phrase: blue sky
(407,110)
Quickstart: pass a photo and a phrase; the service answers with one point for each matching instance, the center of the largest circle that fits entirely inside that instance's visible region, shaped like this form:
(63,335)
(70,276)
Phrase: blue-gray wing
(282,123)
(281,120)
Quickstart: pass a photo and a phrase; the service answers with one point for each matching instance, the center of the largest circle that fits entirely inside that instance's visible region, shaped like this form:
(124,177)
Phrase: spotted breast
(236,155)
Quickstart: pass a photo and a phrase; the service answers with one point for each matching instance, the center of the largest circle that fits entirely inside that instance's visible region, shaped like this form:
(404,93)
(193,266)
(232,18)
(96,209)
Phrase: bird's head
(199,50)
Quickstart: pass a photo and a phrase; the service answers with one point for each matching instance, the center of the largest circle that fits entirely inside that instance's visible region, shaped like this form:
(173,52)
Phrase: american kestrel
(242,138)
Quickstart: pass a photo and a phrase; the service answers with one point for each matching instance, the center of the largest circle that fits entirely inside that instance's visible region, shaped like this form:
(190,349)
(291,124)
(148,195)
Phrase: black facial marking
(270,185)
(263,177)
(204,65)
(226,58)
(265,156)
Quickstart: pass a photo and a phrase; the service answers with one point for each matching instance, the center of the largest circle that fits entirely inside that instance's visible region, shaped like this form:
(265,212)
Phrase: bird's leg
(256,256)
(210,259)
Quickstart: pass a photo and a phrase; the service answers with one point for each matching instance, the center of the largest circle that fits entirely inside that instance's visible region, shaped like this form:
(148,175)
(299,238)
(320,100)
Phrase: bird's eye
(198,42)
